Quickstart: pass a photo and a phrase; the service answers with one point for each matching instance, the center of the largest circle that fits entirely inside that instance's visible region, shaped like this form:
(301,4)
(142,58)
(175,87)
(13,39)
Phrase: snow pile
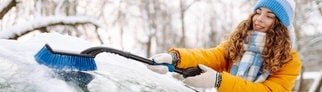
(21,73)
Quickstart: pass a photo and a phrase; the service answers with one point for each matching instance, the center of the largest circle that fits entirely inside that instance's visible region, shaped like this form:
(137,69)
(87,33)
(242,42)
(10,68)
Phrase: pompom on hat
(284,11)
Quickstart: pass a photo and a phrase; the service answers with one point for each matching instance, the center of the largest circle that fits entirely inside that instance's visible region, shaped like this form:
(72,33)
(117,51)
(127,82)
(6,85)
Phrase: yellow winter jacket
(280,81)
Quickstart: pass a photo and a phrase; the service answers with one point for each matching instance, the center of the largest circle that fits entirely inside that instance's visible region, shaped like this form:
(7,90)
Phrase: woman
(257,56)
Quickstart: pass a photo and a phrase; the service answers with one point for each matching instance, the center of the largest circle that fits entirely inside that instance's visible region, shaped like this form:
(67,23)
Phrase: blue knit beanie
(284,10)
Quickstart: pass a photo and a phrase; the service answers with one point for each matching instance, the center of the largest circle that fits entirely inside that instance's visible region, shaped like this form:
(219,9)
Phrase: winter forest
(148,27)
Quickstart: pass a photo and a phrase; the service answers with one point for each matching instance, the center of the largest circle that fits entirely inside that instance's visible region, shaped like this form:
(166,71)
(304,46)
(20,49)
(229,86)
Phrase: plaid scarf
(251,63)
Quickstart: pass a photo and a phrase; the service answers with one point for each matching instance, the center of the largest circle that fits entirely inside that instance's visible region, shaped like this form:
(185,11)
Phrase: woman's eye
(270,17)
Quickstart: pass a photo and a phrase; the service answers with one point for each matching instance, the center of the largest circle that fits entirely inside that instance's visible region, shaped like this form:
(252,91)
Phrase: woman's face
(263,19)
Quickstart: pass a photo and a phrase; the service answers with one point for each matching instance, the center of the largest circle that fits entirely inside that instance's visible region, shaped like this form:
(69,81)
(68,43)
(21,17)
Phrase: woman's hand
(208,79)
(163,58)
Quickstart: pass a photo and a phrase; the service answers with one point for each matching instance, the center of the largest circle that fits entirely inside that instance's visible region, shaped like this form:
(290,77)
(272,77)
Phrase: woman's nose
(259,18)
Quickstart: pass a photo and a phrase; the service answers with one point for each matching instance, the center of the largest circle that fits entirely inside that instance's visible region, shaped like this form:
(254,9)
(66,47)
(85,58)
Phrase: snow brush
(84,61)
(185,72)
(59,60)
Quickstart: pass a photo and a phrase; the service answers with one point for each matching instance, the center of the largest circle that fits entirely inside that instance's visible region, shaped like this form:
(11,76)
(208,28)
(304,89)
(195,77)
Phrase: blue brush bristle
(65,61)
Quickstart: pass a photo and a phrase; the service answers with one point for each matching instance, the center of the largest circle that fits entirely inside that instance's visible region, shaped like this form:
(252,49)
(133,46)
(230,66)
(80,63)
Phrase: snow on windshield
(21,73)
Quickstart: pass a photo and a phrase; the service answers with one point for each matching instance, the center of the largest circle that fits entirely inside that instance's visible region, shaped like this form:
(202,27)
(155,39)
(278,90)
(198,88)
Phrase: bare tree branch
(183,31)
(39,24)
(319,7)
(183,9)
(43,28)
(99,36)
(189,5)
(4,10)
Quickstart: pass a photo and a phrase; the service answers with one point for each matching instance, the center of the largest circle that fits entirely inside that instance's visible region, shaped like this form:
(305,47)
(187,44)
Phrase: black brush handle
(67,53)
(193,71)
(96,50)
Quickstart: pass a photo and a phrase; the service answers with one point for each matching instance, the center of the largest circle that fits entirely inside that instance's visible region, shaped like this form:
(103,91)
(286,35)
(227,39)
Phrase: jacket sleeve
(213,57)
(280,81)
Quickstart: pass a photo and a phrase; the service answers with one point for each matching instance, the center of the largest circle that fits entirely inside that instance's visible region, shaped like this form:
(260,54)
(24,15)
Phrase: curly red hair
(277,49)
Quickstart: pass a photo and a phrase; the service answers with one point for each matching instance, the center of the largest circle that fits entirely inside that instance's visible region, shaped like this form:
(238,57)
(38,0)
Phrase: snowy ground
(21,73)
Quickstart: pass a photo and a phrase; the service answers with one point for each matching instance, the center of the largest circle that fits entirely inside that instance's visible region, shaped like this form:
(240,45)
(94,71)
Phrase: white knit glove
(208,79)
(163,58)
